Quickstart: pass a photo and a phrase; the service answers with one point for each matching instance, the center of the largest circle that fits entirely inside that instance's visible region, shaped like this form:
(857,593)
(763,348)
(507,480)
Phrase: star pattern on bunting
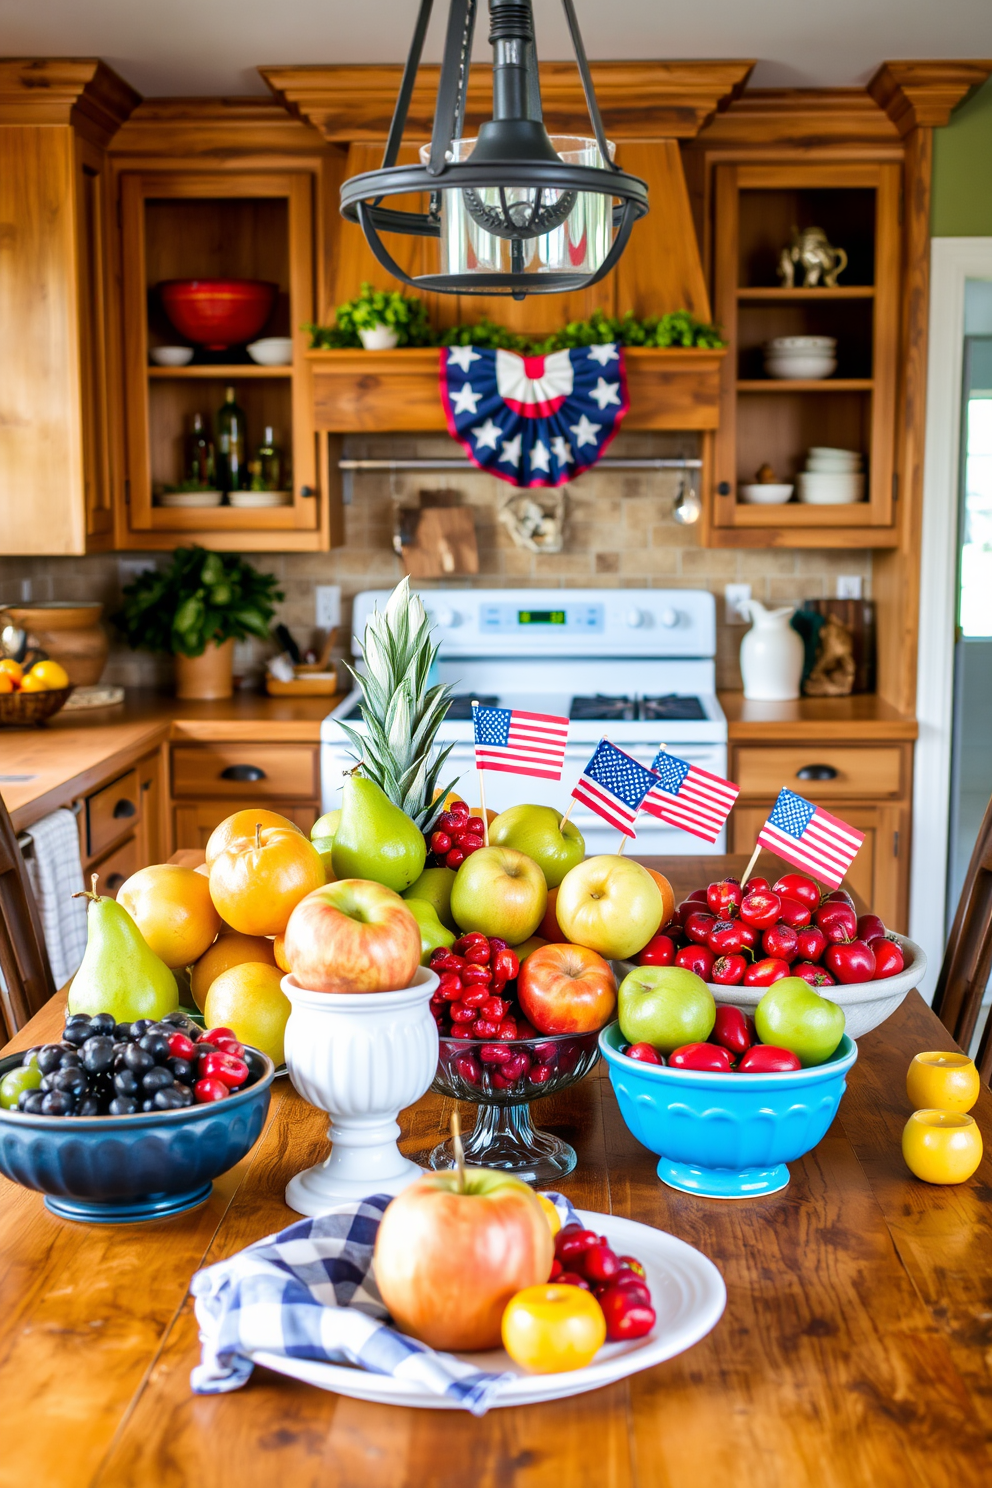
(487,435)
(604,354)
(562,450)
(463,356)
(604,393)
(512,450)
(540,456)
(466,400)
(585,431)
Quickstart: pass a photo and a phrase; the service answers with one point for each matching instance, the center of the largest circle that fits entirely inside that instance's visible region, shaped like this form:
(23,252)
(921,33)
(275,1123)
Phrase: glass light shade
(578,245)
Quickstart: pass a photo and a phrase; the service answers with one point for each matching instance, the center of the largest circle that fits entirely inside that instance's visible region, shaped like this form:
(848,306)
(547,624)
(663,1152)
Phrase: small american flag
(810,838)
(614,785)
(688,797)
(519,743)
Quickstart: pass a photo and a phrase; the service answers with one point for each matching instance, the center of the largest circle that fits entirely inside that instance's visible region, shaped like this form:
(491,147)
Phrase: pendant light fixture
(514,210)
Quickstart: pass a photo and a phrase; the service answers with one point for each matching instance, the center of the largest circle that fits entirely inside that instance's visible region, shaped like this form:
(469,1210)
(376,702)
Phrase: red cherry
(517,1065)
(763,973)
(507,1031)
(798,886)
(446,821)
(449,986)
(838,896)
(475,825)
(726,938)
(644,1053)
(749,936)
(470,845)
(837,920)
(724,898)
(659,951)
(209,1090)
(626,1315)
(557,1271)
(485,1028)
(630,1263)
(572,1278)
(781,941)
(850,961)
(698,924)
(697,958)
(815,975)
(469,1068)
(455,858)
(701,1057)
(572,1242)
(731,1030)
(440,843)
(889,959)
(459,1013)
(728,971)
(541,1074)
(795,914)
(754,884)
(460,808)
(504,962)
(765,1059)
(475,995)
(181,1046)
(811,942)
(761,908)
(475,947)
(599,1262)
(495,1008)
(870,928)
(494,1053)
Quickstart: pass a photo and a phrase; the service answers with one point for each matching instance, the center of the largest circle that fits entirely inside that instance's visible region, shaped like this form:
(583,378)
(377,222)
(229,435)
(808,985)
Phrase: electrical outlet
(328,603)
(849,586)
(736,597)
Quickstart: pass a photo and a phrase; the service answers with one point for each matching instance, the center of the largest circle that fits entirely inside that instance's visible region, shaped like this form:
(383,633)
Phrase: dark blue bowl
(119,1169)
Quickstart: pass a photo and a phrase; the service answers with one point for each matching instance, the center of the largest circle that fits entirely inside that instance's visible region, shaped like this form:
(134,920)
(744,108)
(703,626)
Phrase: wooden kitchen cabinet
(123,824)
(213,779)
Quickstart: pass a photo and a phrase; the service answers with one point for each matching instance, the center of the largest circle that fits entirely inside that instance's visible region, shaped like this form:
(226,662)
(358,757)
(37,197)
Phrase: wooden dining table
(855,1349)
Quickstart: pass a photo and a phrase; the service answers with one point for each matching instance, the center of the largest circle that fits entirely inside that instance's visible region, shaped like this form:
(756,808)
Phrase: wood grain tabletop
(856,1348)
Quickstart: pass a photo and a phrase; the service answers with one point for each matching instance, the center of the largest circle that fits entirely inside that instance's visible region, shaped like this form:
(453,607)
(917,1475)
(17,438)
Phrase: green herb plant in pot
(377,319)
(195,610)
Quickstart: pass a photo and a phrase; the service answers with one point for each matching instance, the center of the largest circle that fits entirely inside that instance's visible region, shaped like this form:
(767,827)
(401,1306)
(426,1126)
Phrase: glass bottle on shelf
(266,468)
(232,463)
(200,466)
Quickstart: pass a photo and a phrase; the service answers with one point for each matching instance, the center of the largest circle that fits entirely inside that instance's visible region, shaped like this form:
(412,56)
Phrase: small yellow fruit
(229,949)
(11,668)
(45,676)
(249,1000)
(941,1146)
(6,682)
(172,908)
(551,1329)
(942,1082)
(551,1213)
(279,952)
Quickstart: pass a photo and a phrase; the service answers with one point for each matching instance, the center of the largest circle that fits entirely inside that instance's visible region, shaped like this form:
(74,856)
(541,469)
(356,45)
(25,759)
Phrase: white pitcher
(772,655)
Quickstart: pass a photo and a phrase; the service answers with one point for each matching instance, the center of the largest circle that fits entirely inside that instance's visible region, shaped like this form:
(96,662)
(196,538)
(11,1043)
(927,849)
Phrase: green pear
(434,885)
(432,932)
(538,832)
(375,839)
(119,973)
(322,835)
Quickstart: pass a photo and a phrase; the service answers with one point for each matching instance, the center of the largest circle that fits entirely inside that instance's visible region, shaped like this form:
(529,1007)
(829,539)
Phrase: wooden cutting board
(443,545)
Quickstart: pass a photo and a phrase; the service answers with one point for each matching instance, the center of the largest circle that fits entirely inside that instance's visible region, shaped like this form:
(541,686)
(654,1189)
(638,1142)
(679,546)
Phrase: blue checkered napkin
(309,1293)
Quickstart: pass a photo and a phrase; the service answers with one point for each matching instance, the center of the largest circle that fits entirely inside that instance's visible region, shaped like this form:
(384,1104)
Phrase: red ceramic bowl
(218,312)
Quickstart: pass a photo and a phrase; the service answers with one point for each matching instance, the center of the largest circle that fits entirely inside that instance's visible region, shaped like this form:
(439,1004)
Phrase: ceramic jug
(771,655)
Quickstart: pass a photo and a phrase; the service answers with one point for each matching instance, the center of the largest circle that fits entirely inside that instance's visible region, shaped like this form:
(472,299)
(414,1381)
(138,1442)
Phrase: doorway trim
(952,262)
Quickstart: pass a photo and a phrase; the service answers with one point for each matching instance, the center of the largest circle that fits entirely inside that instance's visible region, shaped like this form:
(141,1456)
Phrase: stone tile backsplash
(620,532)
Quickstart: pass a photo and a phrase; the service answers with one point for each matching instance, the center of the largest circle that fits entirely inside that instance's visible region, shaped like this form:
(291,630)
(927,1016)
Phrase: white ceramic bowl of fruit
(740,942)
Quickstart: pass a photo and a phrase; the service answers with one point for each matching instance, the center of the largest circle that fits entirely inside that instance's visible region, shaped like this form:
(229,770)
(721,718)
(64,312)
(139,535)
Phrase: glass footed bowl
(502,1088)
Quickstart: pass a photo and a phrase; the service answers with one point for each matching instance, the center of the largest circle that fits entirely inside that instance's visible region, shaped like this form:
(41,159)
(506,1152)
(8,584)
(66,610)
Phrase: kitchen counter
(75,751)
(863,718)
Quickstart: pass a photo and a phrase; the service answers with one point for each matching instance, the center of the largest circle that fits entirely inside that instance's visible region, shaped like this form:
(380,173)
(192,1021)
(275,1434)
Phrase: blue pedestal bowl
(725,1136)
(120,1169)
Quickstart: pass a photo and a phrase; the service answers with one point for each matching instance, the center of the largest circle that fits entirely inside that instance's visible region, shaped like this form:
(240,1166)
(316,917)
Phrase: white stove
(635,665)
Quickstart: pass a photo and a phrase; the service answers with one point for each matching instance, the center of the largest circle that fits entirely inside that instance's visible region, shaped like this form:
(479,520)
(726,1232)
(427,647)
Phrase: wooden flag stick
(624,839)
(568,812)
(750,867)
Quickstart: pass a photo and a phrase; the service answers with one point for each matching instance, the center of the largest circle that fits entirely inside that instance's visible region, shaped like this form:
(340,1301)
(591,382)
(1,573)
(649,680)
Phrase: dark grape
(205,1048)
(58,1103)
(71,1080)
(148,1104)
(31,1055)
(156,1078)
(30,1101)
(123,1105)
(98,1054)
(169,1099)
(140,1027)
(182,1070)
(77,1018)
(155,1045)
(76,1033)
(49,1058)
(138,1059)
(70,1059)
(103,1024)
(88,1106)
(122,1033)
(126,1082)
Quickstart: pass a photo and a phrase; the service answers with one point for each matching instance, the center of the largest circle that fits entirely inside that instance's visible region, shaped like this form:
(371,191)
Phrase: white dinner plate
(687,1293)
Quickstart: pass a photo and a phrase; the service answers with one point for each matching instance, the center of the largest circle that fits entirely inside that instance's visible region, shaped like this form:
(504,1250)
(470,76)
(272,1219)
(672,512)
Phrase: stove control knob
(447,618)
(635,618)
(669,618)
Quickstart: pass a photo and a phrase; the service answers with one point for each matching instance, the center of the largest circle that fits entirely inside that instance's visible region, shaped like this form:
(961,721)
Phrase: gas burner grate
(609,709)
(671,708)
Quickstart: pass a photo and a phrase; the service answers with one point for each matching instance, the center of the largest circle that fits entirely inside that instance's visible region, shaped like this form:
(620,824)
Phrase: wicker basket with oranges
(29,697)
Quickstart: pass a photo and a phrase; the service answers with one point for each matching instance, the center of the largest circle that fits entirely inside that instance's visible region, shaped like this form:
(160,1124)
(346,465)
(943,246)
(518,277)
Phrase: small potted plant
(377,319)
(195,610)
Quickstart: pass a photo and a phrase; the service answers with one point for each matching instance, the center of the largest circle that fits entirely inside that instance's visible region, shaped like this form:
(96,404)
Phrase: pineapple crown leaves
(401,712)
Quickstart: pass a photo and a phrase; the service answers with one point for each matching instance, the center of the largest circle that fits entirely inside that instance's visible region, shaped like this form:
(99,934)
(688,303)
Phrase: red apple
(798,886)
(782,941)
(851,961)
(837,920)
(567,989)
(889,959)
(815,975)
(724,898)
(728,971)
(794,913)
(352,936)
(449,1258)
(760,908)
(763,973)
(811,942)
(697,958)
(659,951)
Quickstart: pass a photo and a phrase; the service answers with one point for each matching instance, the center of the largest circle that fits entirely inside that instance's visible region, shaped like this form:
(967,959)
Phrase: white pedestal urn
(362,1058)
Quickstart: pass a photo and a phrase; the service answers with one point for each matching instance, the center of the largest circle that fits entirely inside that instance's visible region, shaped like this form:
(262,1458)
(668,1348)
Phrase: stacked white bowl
(801,357)
(833,477)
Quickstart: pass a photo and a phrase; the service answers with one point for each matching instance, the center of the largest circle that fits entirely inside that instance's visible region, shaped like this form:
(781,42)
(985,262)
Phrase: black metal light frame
(519,154)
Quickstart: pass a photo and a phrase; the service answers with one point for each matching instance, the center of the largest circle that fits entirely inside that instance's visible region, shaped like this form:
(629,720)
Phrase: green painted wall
(961,205)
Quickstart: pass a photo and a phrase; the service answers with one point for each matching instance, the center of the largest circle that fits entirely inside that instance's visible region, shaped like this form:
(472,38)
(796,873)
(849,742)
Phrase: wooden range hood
(647,109)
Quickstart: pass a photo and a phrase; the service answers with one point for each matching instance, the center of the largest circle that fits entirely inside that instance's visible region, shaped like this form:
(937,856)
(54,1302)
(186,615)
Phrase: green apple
(665,1006)
(434,885)
(432,932)
(610,904)
(792,1015)
(538,832)
(322,835)
(501,892)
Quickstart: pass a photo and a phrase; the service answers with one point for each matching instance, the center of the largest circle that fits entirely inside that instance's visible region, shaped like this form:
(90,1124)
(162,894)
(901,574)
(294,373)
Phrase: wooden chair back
(23,957)
(967,963)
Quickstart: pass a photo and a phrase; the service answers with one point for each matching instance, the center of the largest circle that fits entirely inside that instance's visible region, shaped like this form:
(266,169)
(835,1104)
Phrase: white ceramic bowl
(865,1004)
(378,337)
(822,465)
(780,344)
(830,488)
(772,493)
(829,452)
(793,366)
(190,498)
(272,351)
(171,356)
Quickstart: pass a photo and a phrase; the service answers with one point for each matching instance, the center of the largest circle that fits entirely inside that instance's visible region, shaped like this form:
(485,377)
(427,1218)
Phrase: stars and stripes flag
(614,785)
(518,742)
(810,838)
(686,796)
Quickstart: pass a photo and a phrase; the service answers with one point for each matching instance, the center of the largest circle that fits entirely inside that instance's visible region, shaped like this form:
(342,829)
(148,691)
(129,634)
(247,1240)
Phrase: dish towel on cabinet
(309,1293)
(56,874)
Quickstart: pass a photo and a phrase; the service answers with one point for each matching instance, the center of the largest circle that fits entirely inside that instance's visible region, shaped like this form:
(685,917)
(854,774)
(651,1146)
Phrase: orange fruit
(667,897)
(257,881)
(249,1000)
(549,927)
(243,824)
(229,949)
(172,908)
(45,676)
(12,669)
(279,951)
(6,682)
